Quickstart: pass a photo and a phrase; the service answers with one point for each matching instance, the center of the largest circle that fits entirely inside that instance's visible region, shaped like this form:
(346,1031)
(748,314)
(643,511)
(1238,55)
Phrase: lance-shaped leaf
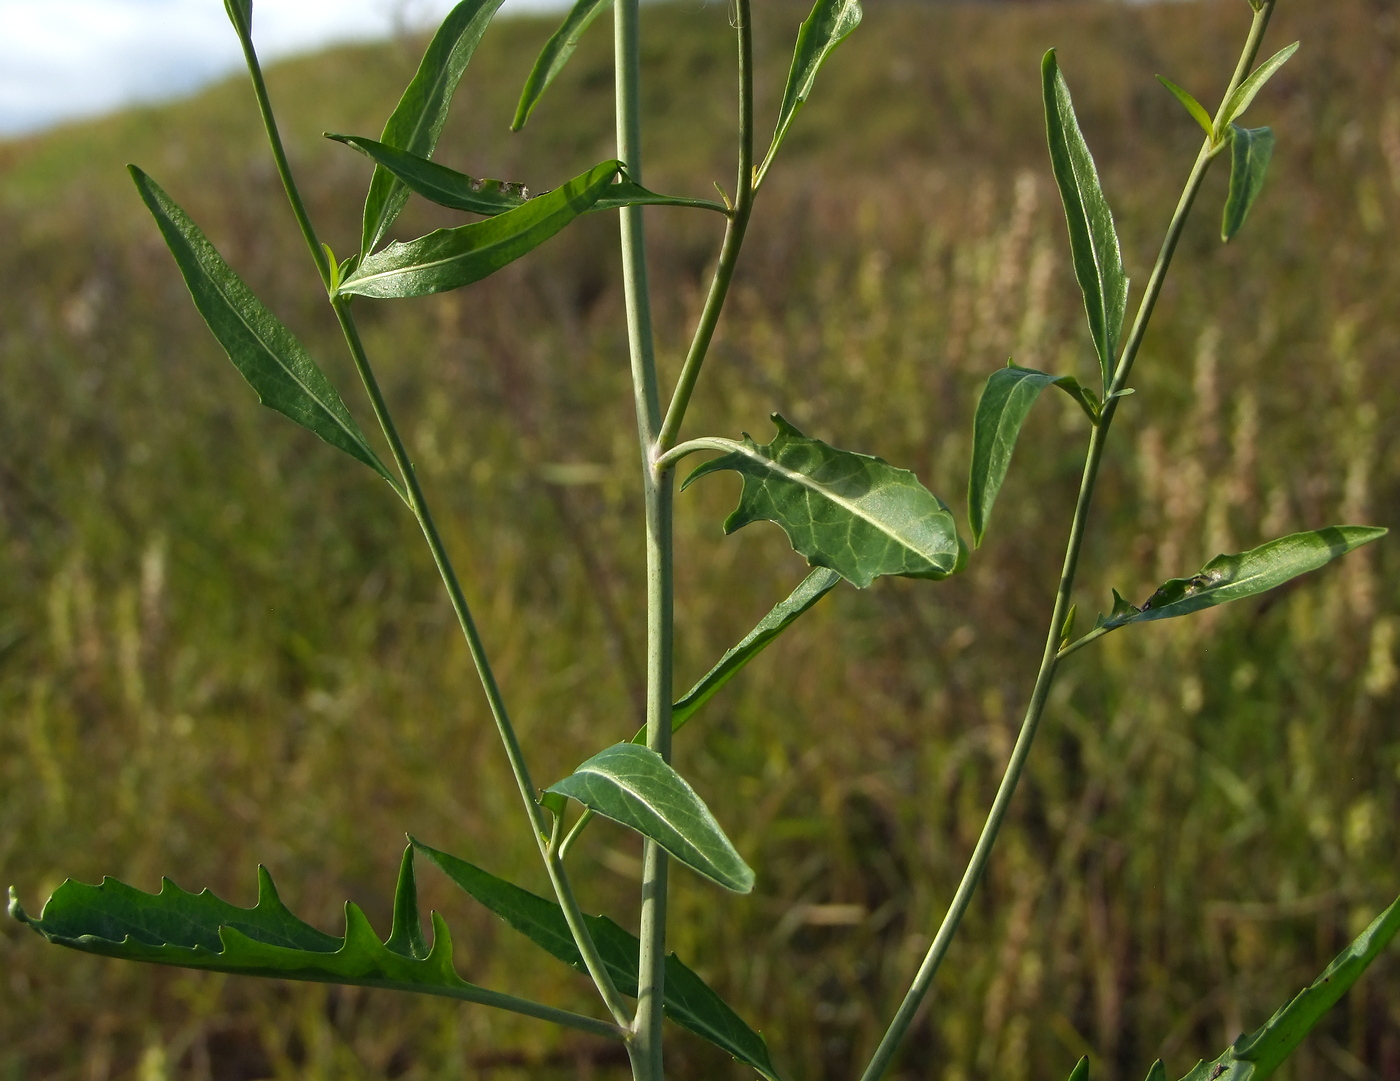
(1093,239)
(1191,105)
(555,55)
(812,589)
(829,24)
(1235,577)
(638,788)
(240,13)
(450,258)
(857,515)
(417,120)
(267,354)
(1005,403)
(457,191)
(201,931)
(1256,1056)
(1247,91)
(1251,150)
(688,1000)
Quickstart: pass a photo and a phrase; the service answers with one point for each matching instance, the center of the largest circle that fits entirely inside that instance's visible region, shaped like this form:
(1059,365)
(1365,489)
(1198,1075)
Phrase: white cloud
(67,58)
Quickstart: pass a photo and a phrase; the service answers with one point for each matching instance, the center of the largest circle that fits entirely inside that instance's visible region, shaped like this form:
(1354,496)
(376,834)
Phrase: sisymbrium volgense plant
(854,517)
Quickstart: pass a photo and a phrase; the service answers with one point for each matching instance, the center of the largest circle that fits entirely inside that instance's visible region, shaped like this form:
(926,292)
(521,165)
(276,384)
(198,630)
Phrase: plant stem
(418,504)
(1045,677)
(412,494)
(644,1049)
(733,240)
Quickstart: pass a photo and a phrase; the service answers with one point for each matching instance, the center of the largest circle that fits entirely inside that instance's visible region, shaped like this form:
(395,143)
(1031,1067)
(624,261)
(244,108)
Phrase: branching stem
(412,493)
(981,853)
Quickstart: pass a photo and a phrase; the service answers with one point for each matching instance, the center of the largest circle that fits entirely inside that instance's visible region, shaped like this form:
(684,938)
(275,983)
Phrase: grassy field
(223,644)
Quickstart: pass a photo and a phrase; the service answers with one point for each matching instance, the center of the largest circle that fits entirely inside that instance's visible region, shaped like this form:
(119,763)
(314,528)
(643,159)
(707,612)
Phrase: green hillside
(221,644)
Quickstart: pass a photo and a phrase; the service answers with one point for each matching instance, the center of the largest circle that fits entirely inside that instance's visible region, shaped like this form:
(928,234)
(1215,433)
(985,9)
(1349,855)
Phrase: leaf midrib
(807,482)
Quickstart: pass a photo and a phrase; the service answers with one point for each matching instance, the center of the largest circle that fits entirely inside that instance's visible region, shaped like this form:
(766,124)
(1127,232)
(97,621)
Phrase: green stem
(412,493)
(645,1046)
(729,250)
(279,155)
(418,504)
(1045,677)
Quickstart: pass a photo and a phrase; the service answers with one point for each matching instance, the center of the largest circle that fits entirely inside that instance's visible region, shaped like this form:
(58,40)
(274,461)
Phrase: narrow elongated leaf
(1244,95)
(267,354)
(687,999)
(829,24)
(449,258)
(417,120)
(1235,577)
(555,55)
(201,931)
(449,188)
(857,515)
(1093,239)
(1081,1070)
(638,788)
(1192,106)
(1002,409)
(1251,150)
(1256,1056)
(812,589)
(240,13)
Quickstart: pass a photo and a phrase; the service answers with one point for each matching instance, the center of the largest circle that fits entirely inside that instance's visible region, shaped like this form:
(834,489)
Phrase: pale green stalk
(644,1049)
(413,496)
(923,980)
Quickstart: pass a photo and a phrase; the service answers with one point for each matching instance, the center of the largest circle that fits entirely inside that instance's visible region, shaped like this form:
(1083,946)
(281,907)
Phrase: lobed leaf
(1256,1056)
(687,999)
(457,191)
(638,788)
(1235,577)
(812,589)
(1093,239)
(1247,91)
(265,352)
(1251,151)
(852,513)
(449,258)
(417,120)
(1001,411)
(555,55)
(201,931)
(1192,106)
(829,24)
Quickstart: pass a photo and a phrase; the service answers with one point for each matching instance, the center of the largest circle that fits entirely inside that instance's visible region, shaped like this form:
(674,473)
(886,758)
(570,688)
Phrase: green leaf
(449,258)
(1194,107)
(638,788)
(418,118)
(203,932)
(1002,409)
(829,24)
(267,354)
(240,13)
(1245,93)
(437,183)
(1158,1072)
(449,188)
(812,589)
(1256,1056)
(1081,1070)
(1251,150)
(1098,261)
(857,515)
(555,55)
(1235,577)
(688,1000)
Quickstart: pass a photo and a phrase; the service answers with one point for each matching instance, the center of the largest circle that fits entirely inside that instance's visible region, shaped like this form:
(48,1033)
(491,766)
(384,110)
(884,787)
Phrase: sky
(63,59)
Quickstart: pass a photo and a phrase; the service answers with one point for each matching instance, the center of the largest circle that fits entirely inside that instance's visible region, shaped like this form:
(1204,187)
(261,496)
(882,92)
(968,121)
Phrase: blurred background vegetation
(222,644)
